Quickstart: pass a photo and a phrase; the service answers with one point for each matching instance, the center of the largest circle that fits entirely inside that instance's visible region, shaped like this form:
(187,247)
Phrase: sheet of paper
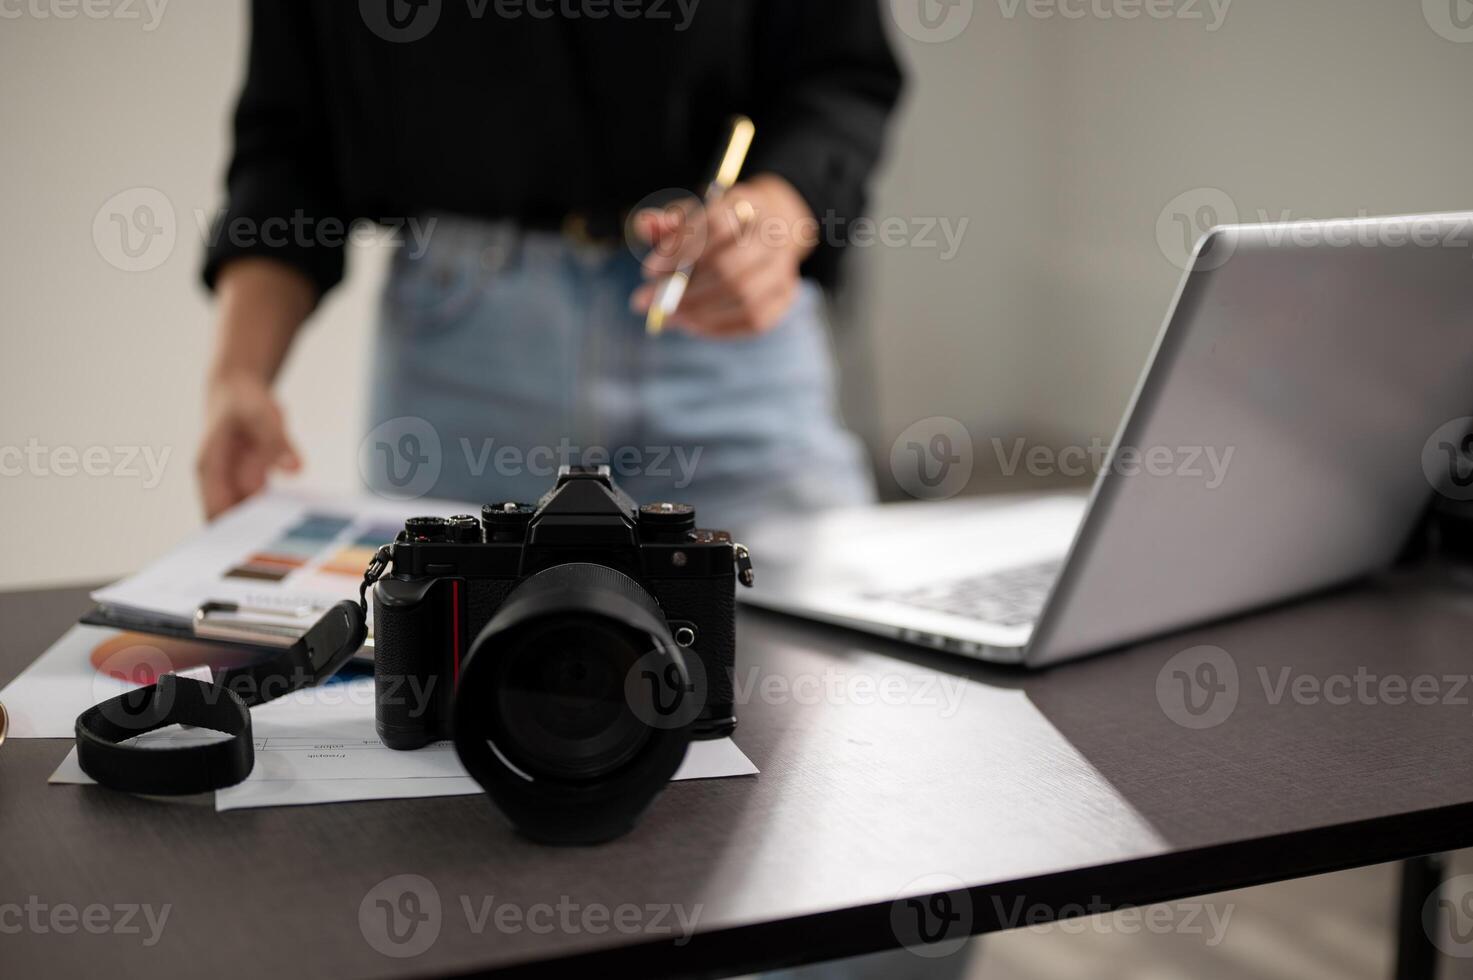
(313,746)
(299,771)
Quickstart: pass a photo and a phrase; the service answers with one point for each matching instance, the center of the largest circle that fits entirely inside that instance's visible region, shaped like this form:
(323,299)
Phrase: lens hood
(571,707)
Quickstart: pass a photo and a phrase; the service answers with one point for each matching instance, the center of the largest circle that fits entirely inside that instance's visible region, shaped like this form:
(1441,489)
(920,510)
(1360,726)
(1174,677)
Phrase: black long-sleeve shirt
(529,110)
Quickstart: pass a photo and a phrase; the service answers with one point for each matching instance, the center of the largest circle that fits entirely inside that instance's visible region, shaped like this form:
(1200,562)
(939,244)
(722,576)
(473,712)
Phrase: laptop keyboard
(1011,597)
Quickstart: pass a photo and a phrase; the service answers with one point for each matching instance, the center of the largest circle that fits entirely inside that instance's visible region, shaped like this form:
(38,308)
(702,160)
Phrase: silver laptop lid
(1276,443)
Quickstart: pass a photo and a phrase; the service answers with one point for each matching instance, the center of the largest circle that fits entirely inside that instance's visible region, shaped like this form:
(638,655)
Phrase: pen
(672,290)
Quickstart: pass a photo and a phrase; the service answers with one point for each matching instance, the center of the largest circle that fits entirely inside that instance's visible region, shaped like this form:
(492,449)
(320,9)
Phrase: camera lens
(560,709)
(571,704)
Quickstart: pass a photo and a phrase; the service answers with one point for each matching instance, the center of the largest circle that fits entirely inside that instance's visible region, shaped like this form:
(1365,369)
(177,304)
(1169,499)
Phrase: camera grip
(412,632)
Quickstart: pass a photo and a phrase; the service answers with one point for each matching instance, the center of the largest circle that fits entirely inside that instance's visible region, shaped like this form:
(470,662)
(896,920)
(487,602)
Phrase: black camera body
(585,640)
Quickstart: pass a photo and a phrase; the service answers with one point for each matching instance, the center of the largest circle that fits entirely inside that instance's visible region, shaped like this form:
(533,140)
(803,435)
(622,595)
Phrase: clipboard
(224,624)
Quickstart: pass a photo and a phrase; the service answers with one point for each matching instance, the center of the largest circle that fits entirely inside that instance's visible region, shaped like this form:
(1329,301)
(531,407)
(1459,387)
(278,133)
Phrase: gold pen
(672,290)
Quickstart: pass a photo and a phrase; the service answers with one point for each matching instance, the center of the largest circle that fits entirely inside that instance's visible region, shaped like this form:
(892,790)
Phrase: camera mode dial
(427,529)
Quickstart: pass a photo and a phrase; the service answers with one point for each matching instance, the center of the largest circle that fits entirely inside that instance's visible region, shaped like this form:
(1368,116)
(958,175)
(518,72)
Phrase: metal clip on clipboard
(227,623)
(253,625)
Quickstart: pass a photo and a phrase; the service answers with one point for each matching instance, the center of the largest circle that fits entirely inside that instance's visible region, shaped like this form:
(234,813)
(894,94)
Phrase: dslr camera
(571,649)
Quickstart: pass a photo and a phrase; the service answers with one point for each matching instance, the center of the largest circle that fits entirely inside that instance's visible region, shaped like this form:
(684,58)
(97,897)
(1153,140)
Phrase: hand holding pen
(727,268)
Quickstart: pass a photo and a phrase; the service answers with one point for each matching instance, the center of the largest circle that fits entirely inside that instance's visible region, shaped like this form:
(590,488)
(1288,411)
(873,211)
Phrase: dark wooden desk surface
(1073,785)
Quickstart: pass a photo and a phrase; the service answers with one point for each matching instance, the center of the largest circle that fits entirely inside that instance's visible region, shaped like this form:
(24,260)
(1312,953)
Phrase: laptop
(1326,368)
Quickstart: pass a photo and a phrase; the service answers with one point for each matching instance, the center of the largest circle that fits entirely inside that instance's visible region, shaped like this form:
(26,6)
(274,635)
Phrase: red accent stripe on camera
(455,625)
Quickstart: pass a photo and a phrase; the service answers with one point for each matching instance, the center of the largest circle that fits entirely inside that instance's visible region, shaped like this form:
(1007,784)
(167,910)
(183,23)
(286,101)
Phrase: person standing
(524,141)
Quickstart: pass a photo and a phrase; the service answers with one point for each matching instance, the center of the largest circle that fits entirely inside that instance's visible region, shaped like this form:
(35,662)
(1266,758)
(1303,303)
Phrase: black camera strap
(104,730)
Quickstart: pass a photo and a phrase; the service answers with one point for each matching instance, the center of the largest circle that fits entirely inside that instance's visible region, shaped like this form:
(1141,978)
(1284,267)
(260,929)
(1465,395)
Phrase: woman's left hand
(747,252)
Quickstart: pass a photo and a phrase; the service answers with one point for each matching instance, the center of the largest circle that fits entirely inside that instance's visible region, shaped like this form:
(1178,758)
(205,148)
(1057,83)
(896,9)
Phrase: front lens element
(561,710)
(554,712)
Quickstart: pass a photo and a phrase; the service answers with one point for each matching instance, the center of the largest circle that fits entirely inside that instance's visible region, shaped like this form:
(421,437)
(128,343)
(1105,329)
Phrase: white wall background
(1061,141)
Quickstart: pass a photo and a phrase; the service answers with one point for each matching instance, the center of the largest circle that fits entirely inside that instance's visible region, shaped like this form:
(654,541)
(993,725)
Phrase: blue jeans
(507,353)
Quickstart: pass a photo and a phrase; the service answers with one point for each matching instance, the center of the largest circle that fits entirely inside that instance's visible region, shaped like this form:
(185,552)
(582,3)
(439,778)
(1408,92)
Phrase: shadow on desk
(1307,705)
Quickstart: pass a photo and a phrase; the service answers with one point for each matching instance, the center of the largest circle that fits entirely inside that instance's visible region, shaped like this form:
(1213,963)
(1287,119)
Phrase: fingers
(721,275)
(230,469)
(686,232)
(716,278)
(245,441)
(762,302)
(742,281)
(676,234)
(739,289)
(720,267)
(216,484)
(266,431)
(642,297)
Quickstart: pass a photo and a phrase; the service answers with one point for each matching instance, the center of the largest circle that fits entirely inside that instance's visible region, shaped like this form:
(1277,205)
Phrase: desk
(1069,786)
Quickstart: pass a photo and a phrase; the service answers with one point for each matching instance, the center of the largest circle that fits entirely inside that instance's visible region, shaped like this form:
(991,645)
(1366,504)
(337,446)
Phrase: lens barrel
(573,705)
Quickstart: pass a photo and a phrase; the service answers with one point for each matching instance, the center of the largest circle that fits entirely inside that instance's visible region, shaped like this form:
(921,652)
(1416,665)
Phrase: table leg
(1416,957)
